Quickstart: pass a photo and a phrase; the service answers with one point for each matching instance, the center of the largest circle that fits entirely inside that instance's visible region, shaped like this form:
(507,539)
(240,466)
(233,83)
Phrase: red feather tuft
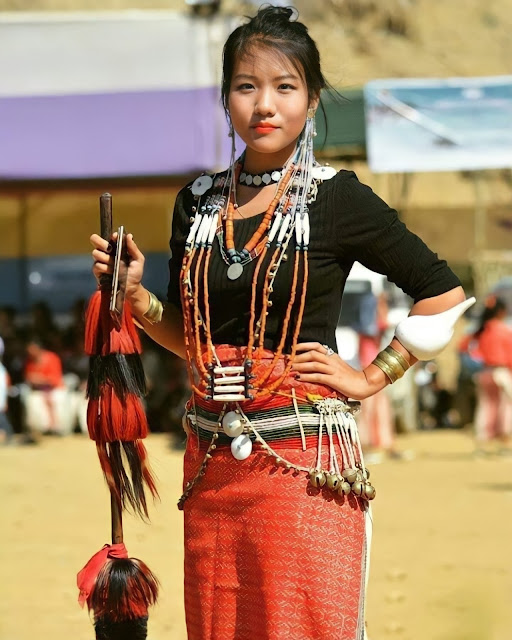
(93,337)
(115,413)
(116,586)
(101,336)
(124,590)
(112,418)
(126,340)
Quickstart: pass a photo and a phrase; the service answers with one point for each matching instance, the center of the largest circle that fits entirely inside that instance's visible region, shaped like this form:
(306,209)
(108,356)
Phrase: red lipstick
(264,127)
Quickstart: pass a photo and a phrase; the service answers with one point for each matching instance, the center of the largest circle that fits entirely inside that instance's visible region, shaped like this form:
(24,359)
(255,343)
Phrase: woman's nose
(265,106)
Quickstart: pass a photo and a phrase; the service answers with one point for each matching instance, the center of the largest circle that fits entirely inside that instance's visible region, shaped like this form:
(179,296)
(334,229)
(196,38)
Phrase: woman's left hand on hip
(315,363)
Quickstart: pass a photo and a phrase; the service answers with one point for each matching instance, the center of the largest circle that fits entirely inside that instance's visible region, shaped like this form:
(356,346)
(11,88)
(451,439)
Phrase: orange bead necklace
(285,219)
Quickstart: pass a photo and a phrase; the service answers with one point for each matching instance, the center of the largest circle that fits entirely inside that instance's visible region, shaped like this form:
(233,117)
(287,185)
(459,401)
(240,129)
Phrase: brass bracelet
(392,363)
(155,310)
(399,356)
(391,372)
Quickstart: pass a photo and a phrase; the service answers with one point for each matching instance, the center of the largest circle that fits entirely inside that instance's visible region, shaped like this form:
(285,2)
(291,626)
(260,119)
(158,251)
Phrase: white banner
(85,53)
(439,124)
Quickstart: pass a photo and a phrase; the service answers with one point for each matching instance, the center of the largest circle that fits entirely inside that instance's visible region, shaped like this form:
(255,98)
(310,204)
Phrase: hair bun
(271,12)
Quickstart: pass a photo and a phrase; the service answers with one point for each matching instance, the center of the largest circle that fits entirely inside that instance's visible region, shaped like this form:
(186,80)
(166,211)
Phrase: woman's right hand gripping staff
(169,331)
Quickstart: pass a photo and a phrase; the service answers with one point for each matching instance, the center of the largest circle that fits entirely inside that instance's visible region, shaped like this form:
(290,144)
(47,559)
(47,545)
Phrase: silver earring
(311,119)
(232,136)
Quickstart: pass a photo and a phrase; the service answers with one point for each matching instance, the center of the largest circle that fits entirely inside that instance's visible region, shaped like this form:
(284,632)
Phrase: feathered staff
(116,588)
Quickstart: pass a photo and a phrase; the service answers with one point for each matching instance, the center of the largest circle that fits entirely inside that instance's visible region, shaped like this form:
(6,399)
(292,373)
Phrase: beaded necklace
(286,218)
(256,180)
(258,240)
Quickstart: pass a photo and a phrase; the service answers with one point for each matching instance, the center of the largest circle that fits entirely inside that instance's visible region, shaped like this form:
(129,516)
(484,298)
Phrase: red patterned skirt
(268,556)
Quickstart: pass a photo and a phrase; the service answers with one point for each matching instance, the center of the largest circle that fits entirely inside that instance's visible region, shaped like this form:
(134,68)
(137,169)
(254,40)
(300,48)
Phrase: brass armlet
(390,372)
(392,363)
(399,356)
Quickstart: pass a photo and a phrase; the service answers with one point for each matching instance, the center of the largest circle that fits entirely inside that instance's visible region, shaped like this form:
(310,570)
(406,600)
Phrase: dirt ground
(440,564)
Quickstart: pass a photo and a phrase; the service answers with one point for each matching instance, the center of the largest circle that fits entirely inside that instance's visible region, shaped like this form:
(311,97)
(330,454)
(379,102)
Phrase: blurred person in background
(375,421)
(75,330)
(42,325)
(167,391)
(6,430)
(7,324)
(43,373)
(14,361)
(75,366)
(489,352)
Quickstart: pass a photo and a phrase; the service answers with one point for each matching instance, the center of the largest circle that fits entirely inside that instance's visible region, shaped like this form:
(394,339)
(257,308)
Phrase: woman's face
(268,103)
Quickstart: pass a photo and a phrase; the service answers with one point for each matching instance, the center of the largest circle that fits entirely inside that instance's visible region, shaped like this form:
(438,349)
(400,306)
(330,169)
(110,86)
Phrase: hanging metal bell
(358,488)
(317,478)
(344,489)
(333,482)
(366,473)
(369,491)
(350,475)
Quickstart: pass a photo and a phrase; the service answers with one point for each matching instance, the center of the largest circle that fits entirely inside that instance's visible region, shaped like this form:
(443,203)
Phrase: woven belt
(273,425)
(330,419)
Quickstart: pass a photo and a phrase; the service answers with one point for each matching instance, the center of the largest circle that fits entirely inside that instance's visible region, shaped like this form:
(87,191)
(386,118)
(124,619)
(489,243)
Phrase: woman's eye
(244,87)
(286,87)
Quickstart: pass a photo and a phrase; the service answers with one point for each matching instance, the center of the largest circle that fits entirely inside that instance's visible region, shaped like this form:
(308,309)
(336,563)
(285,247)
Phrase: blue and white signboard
(447,124)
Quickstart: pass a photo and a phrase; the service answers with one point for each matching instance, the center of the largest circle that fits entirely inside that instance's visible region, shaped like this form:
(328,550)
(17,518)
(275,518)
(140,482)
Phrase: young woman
(275,491)
(491,344)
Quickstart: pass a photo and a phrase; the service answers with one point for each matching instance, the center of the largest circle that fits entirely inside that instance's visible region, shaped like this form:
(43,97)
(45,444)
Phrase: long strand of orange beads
(257,246)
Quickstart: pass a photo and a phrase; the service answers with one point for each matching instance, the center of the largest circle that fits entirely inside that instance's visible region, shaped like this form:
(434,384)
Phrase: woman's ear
(313,103)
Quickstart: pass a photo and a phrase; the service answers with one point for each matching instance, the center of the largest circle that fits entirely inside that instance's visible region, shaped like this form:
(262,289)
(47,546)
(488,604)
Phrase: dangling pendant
(241,447)
(235,270)
(232,424)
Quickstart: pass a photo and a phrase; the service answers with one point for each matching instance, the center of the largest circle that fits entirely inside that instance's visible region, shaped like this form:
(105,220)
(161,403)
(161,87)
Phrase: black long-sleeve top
(349,223)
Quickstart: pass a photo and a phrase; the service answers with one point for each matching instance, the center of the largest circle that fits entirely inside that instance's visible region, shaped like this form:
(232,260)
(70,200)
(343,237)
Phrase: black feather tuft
(124,373)
(125,588)
(130,486)
(107,629)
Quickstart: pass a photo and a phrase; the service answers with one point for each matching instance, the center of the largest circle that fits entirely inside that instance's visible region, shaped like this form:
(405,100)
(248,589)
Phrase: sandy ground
(441,566)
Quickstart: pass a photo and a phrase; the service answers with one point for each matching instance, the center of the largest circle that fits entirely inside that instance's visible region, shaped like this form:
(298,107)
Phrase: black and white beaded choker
(260,179)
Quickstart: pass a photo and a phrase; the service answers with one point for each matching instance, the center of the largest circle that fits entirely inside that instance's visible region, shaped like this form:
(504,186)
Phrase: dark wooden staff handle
(106,233)
(106,215)
(116,519)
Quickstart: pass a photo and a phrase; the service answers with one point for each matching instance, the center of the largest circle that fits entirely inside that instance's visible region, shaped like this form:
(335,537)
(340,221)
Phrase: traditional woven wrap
(266,554)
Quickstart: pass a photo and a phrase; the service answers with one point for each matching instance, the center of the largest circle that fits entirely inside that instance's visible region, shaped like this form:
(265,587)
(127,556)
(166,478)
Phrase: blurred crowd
(43,377)
(481,400)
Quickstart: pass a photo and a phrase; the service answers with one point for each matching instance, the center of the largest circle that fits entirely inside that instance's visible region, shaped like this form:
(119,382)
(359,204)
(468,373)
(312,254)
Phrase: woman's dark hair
(274,28)
(492,308)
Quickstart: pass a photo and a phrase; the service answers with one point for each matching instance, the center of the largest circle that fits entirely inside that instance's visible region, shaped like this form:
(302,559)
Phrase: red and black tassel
(116,418)
(116,588)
